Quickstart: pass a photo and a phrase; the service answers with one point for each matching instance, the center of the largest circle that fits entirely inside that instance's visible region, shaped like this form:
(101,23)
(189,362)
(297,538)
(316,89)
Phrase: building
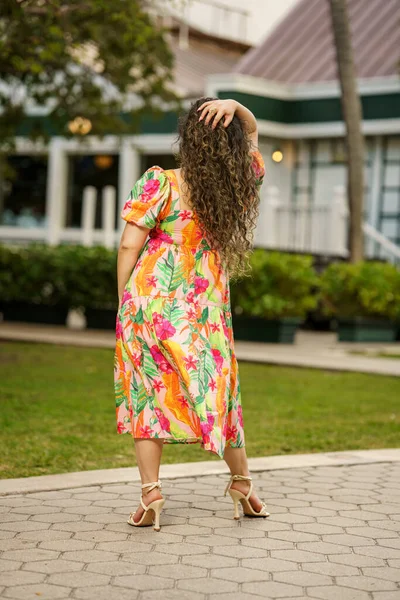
(289,82)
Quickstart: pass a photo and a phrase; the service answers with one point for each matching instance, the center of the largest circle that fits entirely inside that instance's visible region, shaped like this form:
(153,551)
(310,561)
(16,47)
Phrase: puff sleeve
(258,166)
(147,198)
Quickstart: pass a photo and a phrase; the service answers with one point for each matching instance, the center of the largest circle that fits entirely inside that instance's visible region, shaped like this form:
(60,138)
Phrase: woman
(176,373)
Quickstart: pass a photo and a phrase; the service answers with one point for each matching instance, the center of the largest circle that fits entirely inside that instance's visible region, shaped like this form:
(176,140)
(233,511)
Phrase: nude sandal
(238,496)
(151,515)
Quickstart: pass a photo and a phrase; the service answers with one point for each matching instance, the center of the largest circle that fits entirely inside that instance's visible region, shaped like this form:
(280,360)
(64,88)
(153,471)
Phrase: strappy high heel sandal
(154,508)
(238,496)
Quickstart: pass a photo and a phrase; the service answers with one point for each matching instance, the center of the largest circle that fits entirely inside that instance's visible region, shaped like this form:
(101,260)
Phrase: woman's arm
(227,109)
(132,241)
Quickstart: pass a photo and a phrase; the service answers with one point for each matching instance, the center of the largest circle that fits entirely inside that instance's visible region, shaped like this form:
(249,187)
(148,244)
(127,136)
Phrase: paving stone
(144,582)
(103,517)
(270,565)
(173,595)
(385,595)
(83,489)
(209,585)
(106,592)
(44,591)
(16,544)
(93,509)
(299,556)
(377,551)
(9,565)
(239,532)
(344,539)
(361,515)
(53,566)
(239,574)
(25,511)
(268,543)
(69,544)
(389,543)
(31,554)
(189,530)
(293,518)
(79,579)
(150,558)
(51,495)
(9,517)
(237,551)
(312,511)
(184,549)
(11,578)
(330,568)
(55,518)
(100,536)
(294,536)
(356,560)
(24,526)
(272,589)
(43,534)
(5,535)
(391,574)
(371,532)
(323,547)
(66,502)
(333,505)
(211,540)
(303,578)
(369,584)
(88,556)
(77,526)
(340,521)
(337,593)
(264,525)
(178,571)
(387,509)
(317,528)
(124,546)
(210,561)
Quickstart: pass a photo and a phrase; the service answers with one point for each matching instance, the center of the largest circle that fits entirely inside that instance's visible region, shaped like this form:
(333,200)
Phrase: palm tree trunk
(352,113)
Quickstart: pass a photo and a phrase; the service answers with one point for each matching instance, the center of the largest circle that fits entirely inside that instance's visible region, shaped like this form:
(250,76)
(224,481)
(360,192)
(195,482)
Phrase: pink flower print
(120,427)
(200,285)
(182,401)
(137,358)
(185,214)
(162,419)
(240,415)
(205,427)
(158,385)
(118,328)
(160,360)
(191,314)
(224,429)
(210,419)
(214,327)
(227,333)
(150,188)
(219,360)
(190,297)
(164,329)
(190,363)
(231,433)
(154,245)
(157,318)
(125,297)
(212,385)
(152,280)
(145,432)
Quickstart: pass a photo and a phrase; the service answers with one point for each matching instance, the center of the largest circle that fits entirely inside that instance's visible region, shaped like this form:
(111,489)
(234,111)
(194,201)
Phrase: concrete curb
(195,469)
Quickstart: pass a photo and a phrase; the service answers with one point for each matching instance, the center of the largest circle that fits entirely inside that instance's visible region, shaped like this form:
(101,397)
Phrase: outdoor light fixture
(80,126)
(103,161)
(277,155)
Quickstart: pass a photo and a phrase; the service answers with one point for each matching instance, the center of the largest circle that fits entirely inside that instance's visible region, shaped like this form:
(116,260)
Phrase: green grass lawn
(57,412)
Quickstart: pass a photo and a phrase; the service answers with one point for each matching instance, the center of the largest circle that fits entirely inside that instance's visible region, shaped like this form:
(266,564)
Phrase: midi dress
(175,369)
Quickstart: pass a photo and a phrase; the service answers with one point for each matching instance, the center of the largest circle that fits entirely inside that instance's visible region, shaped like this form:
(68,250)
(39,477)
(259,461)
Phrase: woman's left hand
(216,110)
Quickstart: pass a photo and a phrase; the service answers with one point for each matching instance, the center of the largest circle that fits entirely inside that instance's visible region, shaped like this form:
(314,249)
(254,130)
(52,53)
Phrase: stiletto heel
(154,508)
(238,496)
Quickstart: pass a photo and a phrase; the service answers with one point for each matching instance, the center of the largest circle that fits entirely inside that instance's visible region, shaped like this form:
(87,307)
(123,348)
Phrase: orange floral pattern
(176,373)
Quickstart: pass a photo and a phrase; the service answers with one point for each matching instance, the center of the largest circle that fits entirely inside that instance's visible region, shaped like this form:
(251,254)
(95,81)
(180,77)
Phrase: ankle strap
(151,486)
(236,478)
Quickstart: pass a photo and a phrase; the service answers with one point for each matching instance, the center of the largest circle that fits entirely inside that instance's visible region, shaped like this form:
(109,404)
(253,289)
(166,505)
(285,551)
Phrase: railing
(384,248)
(302,227)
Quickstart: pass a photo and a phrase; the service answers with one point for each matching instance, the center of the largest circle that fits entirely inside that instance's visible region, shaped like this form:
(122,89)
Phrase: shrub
(364,289)
(280,285)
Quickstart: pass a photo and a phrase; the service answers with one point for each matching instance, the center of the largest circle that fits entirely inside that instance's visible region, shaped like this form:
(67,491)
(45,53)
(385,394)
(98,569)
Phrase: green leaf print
(172,217)
(166,271)
(119,392)
(204,316)
(178,277)
(138,318)
(142,400)
(149,366)
(172,312)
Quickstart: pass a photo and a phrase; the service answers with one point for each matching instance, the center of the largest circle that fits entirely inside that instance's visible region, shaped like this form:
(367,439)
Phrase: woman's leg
(236,459)
(148,458)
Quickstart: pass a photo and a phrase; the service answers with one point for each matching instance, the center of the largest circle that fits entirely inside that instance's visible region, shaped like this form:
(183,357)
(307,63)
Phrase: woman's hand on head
(215,110)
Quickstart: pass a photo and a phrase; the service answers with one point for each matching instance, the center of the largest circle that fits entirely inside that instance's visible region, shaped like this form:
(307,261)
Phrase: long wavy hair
(220,185)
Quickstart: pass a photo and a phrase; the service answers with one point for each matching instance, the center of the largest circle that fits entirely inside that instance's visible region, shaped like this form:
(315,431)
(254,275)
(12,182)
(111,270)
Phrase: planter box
(34,313)
(101,318)
(256,329)
(361,329)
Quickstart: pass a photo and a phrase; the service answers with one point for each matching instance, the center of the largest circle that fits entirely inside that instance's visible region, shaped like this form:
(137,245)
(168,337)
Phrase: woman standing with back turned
(176,373)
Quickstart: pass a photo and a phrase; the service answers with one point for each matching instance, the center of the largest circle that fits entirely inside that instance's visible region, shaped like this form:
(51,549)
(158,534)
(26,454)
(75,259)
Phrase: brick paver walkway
(333,534)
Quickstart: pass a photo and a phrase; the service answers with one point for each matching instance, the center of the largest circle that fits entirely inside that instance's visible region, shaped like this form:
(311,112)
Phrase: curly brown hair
(220,185)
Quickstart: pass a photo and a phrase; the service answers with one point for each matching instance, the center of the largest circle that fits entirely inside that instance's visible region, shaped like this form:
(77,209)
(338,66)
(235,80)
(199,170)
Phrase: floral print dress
(176,373)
